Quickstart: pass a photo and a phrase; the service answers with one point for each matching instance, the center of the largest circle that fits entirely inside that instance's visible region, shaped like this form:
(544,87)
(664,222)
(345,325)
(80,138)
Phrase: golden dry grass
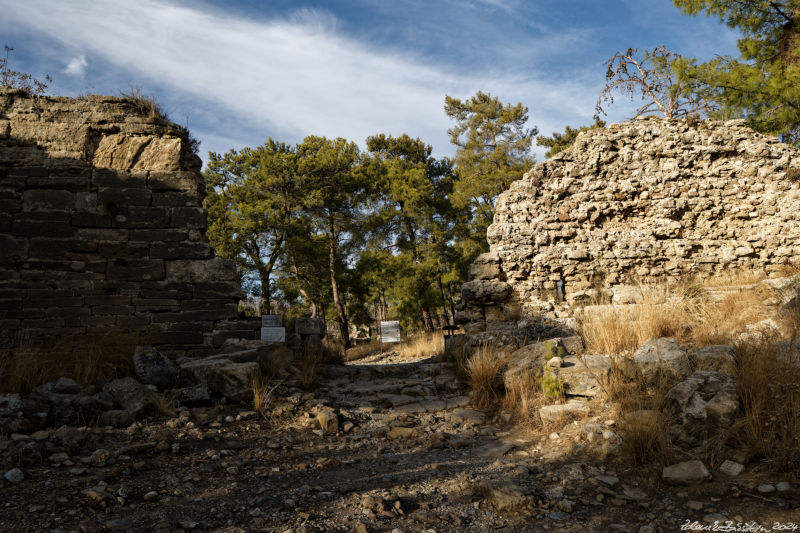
(423,345)
(769,389)
(683,312)
(90,360)
(644,438)
(485,371)
(362,350)
(523,398)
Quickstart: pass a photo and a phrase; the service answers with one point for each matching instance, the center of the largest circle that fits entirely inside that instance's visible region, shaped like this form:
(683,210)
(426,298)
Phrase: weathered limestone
(701,407)
(102,227)
(642,200)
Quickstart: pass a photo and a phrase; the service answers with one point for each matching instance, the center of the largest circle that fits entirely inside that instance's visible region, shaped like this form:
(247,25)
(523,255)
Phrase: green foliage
(763,84)
(552,349)
(21,80)
(252,201)
(320,228)
(493,151)
(561,141)
(652,78)
(416,220)
(552,387)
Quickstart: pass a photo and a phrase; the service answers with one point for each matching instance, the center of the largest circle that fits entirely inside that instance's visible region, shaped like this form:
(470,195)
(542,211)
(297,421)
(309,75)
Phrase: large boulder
(532,357)
(271,357)
(720,358)
(67,403)
(662,356)
(131,396)
(154,368)
(223,376)
(583,375)
(701,407)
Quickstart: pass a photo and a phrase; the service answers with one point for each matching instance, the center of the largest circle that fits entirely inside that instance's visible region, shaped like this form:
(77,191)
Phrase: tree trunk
(303,293)
(427,322)
(265,302)
(337,302)
(451,320)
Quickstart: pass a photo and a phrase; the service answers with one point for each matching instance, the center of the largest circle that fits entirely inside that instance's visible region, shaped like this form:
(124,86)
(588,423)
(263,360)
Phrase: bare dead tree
(650,76)
(21,80)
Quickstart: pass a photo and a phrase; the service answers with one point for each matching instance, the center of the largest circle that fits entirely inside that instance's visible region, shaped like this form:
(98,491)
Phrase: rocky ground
(381,445)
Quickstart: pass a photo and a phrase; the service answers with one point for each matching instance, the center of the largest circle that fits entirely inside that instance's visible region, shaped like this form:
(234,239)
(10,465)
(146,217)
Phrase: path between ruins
(403,452)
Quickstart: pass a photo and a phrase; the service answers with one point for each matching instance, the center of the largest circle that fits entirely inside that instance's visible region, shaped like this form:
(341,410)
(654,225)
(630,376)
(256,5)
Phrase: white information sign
(271,321)
(273,334)
(390,331)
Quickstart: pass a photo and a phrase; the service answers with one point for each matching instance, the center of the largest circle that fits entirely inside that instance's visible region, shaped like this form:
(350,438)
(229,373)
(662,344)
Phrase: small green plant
(552,387)
(553,349)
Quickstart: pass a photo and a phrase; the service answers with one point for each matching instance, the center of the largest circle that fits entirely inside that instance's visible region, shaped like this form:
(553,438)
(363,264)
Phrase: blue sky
(239,72)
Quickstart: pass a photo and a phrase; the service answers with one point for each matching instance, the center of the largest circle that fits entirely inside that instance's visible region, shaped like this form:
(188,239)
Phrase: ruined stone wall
(639,201)
(102,227)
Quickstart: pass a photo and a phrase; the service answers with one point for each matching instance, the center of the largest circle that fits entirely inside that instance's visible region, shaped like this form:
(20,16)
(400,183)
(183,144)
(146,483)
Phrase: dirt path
(406,454)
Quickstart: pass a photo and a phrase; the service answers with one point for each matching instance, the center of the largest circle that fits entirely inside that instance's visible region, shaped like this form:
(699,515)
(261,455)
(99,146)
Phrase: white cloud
(76,66)
(293,76)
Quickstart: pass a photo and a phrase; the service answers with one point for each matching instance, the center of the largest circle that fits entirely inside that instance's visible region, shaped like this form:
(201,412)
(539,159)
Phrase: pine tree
(763,84)
(493,151)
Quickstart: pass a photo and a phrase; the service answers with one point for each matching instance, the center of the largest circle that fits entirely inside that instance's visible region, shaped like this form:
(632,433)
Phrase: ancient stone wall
(639,201)
(102,227)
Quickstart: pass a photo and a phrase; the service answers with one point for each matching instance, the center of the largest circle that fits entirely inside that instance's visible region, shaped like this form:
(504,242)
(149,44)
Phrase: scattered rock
(685,473)
(470,416)
(117,418)
(505,497)
(327,419)
(731,468)
(608,480)
(10,404)
(556,413)
(15,476)
(766,488)
(66,386)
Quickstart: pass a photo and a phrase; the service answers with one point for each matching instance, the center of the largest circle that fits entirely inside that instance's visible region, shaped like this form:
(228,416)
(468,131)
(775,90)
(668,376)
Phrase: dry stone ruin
(102,227)
(639,201)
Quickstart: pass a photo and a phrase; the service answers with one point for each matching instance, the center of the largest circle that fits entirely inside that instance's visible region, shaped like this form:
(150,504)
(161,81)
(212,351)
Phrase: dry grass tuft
(523,398)
(643,431)
(90,360)
(263,394)
(422,346)
(769,389)
(684,312)
(485,371)
(362,350)
(144,104)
